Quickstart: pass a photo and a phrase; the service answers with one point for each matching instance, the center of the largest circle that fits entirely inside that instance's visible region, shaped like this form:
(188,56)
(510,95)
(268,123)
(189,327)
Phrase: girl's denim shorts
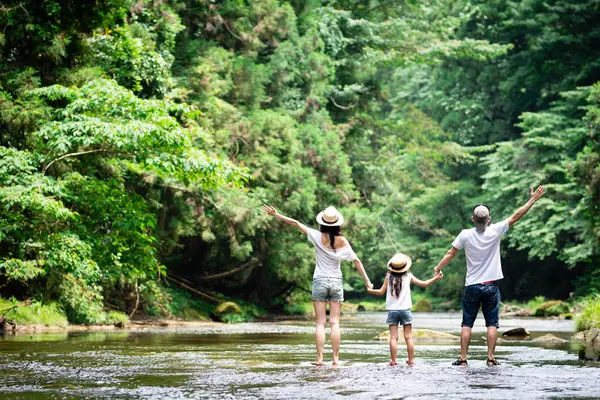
(328,289)
(399,317)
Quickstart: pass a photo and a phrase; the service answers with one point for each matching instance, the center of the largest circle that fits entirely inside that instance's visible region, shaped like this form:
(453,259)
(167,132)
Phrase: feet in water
(492,362)
(317,363)
(460,361)
(393,363)
(410,362)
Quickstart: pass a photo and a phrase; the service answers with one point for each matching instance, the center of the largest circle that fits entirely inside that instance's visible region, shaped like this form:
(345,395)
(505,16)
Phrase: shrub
(590,316)
(298,308)
(35,313)
(551,308)
(116,318)
(183,305)
(422,305)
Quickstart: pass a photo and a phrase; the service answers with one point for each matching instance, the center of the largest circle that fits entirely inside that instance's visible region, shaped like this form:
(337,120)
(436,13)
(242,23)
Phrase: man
(482,248)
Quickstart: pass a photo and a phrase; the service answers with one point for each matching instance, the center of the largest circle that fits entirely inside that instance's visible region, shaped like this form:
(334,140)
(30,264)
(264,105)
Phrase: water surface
(271,360)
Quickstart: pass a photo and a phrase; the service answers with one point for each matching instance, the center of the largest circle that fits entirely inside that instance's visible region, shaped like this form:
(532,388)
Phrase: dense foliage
(138,140)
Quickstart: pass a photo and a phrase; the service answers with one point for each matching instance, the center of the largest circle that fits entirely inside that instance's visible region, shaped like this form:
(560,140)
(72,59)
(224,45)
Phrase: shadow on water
(272,360)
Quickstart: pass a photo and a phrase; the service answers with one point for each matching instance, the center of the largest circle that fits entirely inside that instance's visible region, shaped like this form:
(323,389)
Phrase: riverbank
(35,317)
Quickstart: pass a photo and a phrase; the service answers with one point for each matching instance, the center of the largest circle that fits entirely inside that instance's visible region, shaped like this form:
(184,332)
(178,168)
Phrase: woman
(331,247)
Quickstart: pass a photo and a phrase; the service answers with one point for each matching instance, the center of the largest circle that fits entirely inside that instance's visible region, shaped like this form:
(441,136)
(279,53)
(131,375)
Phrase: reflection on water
(272,360)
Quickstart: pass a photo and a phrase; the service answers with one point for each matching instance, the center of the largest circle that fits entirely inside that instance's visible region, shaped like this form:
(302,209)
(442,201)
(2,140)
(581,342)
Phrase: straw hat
(399,263)
(330,217)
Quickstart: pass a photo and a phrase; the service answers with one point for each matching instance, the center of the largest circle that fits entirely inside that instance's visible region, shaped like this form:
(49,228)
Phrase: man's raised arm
(534,196)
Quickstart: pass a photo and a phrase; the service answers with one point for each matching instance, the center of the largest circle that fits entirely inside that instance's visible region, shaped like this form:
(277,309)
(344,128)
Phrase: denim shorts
(486,296)
(326,289)
(399,317)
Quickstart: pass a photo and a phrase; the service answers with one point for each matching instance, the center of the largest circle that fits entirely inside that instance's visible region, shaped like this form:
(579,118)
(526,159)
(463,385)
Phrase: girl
(398,302)
(331,247)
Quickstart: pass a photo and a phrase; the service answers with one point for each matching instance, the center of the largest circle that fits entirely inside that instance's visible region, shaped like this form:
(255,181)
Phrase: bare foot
(392,363)
(336,361)
(410,362)
(317,363)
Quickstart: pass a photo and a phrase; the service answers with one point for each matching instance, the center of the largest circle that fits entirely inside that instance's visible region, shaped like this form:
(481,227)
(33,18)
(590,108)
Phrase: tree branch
(137,299)
(199,293)
(342,107)
(73,155)
(228,273)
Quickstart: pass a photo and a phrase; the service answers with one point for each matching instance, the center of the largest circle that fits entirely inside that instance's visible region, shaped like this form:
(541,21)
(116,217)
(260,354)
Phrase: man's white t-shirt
(327,260)
(483,252)
(403,300)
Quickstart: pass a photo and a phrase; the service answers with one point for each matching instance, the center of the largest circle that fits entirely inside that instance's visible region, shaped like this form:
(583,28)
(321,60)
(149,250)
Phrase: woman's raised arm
(273,212)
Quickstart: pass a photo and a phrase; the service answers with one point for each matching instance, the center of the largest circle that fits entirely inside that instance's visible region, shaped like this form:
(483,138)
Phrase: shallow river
(272,361)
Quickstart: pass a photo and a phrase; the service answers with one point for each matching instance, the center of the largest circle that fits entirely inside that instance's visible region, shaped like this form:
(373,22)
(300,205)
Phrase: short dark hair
(480,220)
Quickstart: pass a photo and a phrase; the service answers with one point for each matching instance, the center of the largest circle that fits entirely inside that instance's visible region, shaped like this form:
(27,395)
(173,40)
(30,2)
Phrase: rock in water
(516,332)
(423,305)
(227,307)
(420,335)
(551,308)
(548,339)
(591,350)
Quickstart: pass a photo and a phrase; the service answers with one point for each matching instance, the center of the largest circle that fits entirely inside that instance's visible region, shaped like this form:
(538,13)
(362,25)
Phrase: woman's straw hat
(399,263)
(330,217)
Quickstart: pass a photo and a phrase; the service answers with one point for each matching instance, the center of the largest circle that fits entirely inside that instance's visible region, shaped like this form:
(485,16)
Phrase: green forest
(139,139)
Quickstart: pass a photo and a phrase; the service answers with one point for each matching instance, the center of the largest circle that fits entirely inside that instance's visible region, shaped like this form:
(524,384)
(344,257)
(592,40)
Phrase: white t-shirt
(328,261)
(403,301)
(483,252)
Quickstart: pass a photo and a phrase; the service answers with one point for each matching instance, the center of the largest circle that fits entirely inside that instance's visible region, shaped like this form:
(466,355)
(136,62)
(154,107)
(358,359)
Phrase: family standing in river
(484,269)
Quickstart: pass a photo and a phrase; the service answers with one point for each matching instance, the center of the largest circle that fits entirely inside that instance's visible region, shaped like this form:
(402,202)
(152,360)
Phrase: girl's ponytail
(396,283)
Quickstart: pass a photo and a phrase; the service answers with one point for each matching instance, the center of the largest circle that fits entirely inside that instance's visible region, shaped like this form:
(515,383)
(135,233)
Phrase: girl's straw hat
(330,217)
(399,263)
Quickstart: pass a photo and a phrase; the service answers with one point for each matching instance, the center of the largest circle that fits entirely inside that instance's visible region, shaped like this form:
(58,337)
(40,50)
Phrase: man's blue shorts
(486,296)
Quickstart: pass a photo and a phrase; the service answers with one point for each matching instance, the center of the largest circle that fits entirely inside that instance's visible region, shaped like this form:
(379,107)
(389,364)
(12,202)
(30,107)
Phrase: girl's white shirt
(403,301)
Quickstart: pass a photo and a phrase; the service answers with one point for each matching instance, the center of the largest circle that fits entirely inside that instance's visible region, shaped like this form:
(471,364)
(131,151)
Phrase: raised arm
(450,254)
(273,212)
(381,291)
(438,275)
(534,196)
(359,266)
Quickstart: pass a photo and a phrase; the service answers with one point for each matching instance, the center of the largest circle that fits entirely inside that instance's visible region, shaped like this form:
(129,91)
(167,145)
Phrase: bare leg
(393,343)
(335,308)
(465,339)
(492,334)
(321,319)
(410,346)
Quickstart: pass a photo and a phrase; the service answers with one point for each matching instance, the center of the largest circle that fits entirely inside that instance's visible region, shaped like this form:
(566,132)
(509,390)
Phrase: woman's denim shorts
(399,317)
(326,289)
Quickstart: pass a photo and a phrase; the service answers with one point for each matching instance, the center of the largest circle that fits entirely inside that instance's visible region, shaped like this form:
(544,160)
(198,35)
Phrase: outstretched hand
(269,210)
(369,286)
(539,192)
(438,275)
